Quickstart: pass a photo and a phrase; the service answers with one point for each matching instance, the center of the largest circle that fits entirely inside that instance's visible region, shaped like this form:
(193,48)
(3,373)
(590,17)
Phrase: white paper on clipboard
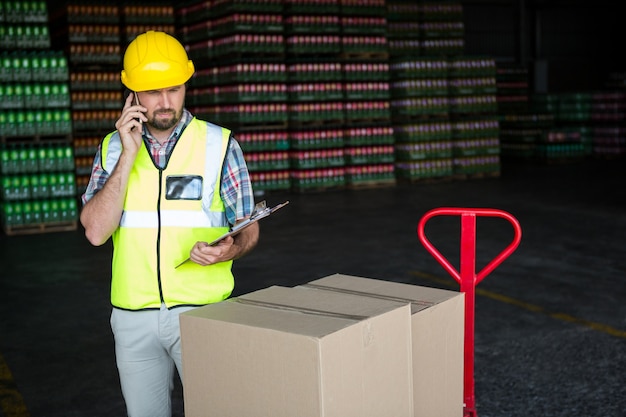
(261,211)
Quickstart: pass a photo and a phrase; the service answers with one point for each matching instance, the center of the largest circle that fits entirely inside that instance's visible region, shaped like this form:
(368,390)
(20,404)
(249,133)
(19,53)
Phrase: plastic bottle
(55,211)
(36,211)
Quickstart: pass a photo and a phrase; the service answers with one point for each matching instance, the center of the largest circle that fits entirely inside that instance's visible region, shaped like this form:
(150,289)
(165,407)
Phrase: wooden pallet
(363,185)
(316,123)
(559,160)
(257,126)
(317,189)
(426,180)
(476,175)
(38,228)
(37,139)
(364,56)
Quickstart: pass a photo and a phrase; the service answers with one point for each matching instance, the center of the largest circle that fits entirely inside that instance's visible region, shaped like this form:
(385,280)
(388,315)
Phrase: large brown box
(298,352)
(437,338)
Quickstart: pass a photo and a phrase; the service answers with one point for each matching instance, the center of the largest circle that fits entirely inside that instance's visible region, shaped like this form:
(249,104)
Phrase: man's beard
(165,124)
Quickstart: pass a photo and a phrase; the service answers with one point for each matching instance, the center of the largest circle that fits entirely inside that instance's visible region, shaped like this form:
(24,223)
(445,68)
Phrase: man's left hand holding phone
(129,125)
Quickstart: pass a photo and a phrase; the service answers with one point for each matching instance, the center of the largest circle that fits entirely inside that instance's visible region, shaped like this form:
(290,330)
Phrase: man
(163,184)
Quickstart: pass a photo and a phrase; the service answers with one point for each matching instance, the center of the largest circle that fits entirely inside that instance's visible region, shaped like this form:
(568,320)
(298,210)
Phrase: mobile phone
(137,104)
(128,92)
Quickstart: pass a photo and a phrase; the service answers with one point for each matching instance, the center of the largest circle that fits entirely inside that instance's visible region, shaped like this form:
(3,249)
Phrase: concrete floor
(550,321)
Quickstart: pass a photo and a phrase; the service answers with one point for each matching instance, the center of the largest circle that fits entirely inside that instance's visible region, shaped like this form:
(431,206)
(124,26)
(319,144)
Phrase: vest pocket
(183,187)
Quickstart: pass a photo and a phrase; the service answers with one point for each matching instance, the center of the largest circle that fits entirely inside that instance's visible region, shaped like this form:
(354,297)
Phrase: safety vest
(166,211)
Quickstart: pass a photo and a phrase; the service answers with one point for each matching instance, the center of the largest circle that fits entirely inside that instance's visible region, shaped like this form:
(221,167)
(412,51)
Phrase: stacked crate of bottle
(472,86)
(34,94)
(608,114)
(564,144)
(368,135)
(84,150)
(238,49)
(140,17)
(420,108)
(609,141)
(512,88)
(571,136)
(24,25)
(91,35)
(96,105)
(425,29)
(521,134)
(587,123)
(424,149)
(267,156)
(420,37)
(38,187)
(419,85)
(476,146)
(37,182)
(474,113)
(315,94)
(518,134)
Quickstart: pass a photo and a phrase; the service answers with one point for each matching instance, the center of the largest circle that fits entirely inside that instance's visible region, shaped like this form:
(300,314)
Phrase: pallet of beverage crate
(37,228)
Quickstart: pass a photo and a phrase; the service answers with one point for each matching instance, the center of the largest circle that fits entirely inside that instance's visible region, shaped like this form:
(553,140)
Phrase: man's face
(165,106)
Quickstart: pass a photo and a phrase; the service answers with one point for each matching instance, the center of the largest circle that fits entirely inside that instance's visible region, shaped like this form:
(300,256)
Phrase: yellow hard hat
(155,60)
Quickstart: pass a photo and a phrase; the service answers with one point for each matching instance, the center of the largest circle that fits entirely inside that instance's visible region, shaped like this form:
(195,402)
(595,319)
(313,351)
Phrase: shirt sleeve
(236,187)
(99,176)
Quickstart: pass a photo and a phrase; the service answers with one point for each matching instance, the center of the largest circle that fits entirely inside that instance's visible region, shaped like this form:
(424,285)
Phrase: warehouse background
(322,94)
(550,320)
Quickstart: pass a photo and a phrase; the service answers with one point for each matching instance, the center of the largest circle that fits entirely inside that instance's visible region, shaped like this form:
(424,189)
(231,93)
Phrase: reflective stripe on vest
(171,218)
(156,232)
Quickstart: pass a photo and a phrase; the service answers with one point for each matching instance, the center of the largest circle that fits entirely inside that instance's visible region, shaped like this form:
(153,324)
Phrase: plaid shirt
(236,187)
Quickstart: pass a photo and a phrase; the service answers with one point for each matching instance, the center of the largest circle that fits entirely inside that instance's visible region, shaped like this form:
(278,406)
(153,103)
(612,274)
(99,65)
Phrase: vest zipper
(158,242)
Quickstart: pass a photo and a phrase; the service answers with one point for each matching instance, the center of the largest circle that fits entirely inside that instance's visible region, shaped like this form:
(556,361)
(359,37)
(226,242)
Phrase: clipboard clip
(260,211)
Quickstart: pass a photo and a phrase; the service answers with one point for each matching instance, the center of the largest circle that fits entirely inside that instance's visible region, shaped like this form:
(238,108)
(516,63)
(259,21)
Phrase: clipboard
(261,211)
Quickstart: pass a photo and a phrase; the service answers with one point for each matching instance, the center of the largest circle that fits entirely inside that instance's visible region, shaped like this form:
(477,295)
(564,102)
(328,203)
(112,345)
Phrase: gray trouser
(147,350)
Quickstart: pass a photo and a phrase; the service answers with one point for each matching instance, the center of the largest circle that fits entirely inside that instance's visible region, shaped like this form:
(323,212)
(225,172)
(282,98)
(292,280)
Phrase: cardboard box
(438,338)
(298,352)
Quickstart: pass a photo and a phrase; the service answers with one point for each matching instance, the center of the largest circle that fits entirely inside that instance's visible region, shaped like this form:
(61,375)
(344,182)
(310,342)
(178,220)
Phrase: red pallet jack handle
(468,278)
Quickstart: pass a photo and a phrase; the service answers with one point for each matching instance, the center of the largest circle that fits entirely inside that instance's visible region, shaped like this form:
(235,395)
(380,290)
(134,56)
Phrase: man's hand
(204,255)
(226,249)
(129,125)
